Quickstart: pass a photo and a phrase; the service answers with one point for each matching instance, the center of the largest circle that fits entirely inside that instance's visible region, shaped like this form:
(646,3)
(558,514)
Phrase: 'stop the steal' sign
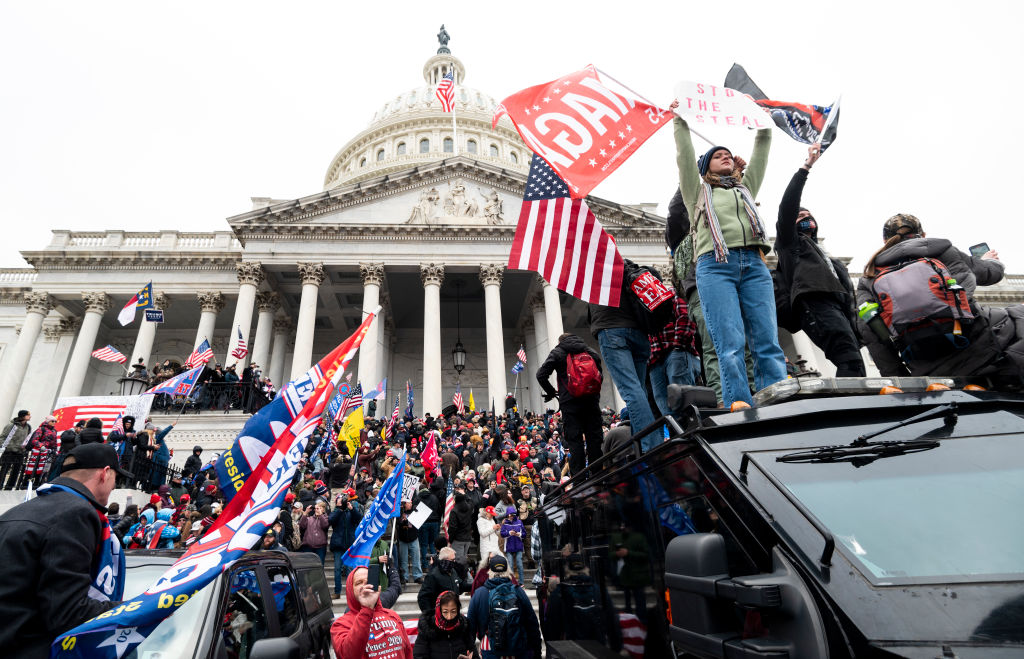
(581,127)
(714,105)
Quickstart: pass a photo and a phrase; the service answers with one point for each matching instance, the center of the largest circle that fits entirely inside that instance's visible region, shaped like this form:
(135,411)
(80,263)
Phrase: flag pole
(455,132)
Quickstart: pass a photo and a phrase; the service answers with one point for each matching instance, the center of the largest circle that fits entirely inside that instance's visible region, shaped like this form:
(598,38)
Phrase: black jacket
(555,361)
(430,499)
(434,643)
(462,521)
(435,583)
(49,545)
(192,464)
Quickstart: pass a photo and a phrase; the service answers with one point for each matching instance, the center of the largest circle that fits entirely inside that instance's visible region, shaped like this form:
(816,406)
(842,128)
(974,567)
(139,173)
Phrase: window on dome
(471,146)
(514,156)
(380,155)
(449,145)
(494,150)
(400,149)
(362,162)
(424,146)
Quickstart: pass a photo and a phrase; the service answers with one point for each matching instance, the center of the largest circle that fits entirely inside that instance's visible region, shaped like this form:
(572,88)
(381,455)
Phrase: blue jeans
(625,351)
(515,563)
(340,570)
(321,552)
(404,549)
(738,301)
(680,367)
(428,534)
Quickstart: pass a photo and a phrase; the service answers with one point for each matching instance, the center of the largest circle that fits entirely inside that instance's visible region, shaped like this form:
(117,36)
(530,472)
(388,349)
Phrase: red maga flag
(584,129)
(561,239)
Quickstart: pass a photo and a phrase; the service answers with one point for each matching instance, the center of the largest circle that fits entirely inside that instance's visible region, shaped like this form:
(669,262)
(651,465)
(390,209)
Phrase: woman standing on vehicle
(446,634)
(313,527)
(730,243)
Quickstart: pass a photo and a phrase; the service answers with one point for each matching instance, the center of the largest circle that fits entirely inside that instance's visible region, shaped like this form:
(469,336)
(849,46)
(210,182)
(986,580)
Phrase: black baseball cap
(498,563)
(93,456)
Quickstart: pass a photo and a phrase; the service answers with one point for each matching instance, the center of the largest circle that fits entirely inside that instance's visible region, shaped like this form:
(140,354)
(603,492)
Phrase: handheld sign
(715,105)
(155,315)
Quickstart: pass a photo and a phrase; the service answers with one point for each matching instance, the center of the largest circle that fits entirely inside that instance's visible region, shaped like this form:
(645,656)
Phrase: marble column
(250,276)
(553,313)
(147,333)
(432,275)
(268,304)
(497,386)
(276,371)
(210,304)
(536,399)
(96,305)
(313,275)
(37,305)
(369,372)
(540,337)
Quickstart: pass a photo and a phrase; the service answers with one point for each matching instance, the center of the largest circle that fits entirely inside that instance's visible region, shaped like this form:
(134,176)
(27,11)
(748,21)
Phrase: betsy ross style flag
(240,350)
(561,239)
(109,354)
(202,354)
(457,399)
(141,300)
(446,92)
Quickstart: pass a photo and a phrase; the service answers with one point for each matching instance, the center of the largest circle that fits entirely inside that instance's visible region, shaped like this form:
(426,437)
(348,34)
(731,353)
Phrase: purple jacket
(513,543)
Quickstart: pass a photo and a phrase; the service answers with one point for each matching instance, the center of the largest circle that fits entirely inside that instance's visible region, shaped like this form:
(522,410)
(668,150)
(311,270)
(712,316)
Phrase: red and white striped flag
(561,239)
(202,354)
(109,354)
(449,503)
(521,354)
(457,399)
(118,426)
(241,350)
(446,92)
(352,401)
(389,430)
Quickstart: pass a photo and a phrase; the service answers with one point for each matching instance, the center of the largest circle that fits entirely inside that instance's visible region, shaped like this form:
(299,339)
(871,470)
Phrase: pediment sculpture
(457,203)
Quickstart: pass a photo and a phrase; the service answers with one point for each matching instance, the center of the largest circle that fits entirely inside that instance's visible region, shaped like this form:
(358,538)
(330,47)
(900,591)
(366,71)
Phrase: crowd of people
(219,387)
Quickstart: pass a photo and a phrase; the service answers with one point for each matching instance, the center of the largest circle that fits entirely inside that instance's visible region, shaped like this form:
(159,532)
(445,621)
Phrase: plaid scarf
(109,572)
(711,218)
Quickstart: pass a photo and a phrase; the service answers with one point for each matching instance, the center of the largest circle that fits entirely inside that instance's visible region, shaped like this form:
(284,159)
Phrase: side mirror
(274,648)
(681,396)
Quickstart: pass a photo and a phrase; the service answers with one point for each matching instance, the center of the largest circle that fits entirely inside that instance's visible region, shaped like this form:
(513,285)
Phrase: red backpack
(582,375)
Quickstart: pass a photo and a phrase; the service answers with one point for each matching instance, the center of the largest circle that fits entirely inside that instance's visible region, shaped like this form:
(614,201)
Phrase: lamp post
(459,351)
(132,386)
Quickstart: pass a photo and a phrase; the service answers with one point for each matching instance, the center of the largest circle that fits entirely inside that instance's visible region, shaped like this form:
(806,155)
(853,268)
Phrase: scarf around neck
(711,218)
(442,622)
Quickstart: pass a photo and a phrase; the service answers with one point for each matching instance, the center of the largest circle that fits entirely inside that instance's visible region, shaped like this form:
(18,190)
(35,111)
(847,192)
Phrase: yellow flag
(472,405)
(350,430)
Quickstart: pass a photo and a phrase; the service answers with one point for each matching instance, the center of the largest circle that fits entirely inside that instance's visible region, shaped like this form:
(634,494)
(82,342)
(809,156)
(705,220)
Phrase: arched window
(424,145)
(449,145)
(400,149)
(362,162)
(380,155)
(494,150)
(514,156)
(471,146)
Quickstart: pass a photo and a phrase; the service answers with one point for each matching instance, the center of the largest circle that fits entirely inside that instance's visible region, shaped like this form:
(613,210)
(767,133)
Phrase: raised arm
(754,174)
(686,162)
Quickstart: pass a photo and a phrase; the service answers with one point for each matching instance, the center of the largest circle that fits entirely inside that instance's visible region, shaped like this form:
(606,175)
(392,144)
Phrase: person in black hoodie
(194,462)
(446,634)
(443,576)
(461,525)
(581,416)
(819,289)
(93,432)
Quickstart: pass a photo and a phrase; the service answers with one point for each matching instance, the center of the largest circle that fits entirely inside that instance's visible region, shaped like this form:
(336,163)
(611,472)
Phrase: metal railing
(147,473)
(214,397)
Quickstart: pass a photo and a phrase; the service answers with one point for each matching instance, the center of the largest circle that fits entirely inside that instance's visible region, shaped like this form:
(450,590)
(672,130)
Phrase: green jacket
(635,569)
(21,433)
(381,549)
(728,202)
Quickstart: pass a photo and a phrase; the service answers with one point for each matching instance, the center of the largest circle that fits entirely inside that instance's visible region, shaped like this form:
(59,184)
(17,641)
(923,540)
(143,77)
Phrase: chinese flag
(581,127)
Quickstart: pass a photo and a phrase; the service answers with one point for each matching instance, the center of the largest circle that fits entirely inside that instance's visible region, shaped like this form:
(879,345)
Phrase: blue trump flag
(388,504)
(179,385)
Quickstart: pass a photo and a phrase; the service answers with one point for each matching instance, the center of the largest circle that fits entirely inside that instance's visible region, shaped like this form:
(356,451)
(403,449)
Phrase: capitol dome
(411,128)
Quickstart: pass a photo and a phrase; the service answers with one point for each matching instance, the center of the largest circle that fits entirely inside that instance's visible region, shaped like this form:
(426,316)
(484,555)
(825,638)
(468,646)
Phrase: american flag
(518,368)
(389,431)
(521,354)
(446,92)
(118,426)
(457,399)
(354,401)
(240,350)
(561,239)
(202,354)
(449,502)
(109,354)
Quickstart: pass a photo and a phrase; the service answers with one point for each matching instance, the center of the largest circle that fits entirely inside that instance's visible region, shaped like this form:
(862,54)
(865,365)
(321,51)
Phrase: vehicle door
(247,613)
(315,598)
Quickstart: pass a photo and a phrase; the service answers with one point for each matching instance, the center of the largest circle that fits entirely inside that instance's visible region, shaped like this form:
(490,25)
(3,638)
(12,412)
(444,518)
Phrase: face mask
(446,565)
(807,226)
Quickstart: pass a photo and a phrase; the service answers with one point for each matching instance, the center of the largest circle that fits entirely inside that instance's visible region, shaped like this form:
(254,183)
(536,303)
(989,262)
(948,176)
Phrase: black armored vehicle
(849,517)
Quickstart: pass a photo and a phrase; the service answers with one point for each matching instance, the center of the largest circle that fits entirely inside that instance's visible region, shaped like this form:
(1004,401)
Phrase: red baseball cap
(288,498)
(491,511)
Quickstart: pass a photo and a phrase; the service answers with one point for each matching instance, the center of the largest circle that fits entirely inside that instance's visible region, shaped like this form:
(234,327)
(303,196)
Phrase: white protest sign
(410,486)
(420,515)
(715,105)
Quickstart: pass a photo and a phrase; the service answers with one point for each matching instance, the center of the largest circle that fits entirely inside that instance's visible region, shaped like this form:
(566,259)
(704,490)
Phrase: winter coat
(68,440)
(480,613)
(21,433)
(435,643)
(435,583)
(406,531)
(193,463)
(432,502)
(50,545)
(488,537)
(634,570)
(92,432)
(343,525)
(513,543)
(994,333)
(460,525)
(350,634)
(556,361)
(314,531)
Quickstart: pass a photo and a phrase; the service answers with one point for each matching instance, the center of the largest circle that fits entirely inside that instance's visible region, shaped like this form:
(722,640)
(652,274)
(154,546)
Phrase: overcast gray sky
(146,116)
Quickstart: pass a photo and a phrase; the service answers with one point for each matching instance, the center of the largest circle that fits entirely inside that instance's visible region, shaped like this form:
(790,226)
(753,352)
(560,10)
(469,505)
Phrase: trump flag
(388,504)
(582,126)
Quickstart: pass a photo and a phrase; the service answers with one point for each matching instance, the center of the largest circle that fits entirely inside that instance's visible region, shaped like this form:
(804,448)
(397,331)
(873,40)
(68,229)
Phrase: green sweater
(728,202)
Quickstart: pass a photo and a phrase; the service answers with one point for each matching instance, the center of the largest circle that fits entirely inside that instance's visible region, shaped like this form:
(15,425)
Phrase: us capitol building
(406,218)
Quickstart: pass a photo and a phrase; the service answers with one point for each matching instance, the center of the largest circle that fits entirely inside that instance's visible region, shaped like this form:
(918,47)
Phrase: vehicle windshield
(178,634)
(949,514)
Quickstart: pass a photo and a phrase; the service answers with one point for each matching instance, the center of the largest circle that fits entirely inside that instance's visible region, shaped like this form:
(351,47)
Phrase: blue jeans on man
(340,570)
(404,551)
(428,534)
(738,301)
(680,367)
(625,351)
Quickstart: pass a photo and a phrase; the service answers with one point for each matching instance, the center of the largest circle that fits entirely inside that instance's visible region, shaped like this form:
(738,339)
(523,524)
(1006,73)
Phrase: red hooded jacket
(368,633)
